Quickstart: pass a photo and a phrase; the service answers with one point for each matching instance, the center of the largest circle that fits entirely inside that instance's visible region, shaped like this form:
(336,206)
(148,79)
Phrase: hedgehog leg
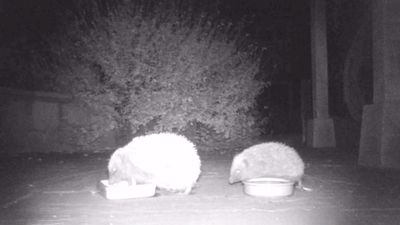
(132,181)
(187,191)
(301,186)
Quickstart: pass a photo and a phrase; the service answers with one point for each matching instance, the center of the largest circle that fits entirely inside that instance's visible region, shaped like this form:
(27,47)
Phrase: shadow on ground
(61,189)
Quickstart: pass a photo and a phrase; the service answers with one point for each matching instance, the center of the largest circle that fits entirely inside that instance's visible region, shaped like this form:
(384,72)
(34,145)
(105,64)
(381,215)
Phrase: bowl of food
(268,187)
(123,190)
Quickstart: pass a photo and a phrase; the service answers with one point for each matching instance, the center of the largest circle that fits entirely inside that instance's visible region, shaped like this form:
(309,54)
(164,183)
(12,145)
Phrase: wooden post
(320,129)
(380,130)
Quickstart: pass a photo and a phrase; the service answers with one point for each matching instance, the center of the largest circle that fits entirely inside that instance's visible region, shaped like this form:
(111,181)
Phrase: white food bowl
(123,190)
(268,187)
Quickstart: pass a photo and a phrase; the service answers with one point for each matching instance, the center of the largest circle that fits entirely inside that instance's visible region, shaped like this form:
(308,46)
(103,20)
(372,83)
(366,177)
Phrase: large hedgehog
(168,160)
(270,159)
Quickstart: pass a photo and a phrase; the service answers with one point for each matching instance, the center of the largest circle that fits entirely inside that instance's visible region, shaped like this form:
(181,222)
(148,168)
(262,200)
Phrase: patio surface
(53,189)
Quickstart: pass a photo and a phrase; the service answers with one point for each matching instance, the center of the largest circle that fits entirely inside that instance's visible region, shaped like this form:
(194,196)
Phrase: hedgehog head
(116,168)
(239,169)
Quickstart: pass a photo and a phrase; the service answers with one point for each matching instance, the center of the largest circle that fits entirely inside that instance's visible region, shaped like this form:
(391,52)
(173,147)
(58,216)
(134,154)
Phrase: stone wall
(47,122)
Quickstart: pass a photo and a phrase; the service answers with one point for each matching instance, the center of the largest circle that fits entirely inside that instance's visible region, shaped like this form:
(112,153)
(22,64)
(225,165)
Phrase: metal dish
(268,187)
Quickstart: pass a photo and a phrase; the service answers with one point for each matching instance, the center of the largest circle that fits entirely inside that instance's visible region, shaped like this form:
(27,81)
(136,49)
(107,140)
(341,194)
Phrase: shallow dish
(268,187)
(124,191)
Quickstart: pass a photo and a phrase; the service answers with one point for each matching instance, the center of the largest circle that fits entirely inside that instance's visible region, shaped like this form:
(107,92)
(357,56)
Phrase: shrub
(160,66)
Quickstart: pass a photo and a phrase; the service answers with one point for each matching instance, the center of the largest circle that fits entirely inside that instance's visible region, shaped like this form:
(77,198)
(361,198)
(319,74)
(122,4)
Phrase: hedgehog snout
(233,180)
(234,177)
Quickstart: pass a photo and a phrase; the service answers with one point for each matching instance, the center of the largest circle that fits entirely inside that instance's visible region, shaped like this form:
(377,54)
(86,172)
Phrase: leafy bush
(160,66)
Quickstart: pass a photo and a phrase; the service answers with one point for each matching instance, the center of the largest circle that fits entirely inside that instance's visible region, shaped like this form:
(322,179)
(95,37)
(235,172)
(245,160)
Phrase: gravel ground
(61,189)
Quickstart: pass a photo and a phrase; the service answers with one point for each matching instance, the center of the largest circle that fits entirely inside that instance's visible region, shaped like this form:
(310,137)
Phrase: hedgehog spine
(269,159)
(166,159)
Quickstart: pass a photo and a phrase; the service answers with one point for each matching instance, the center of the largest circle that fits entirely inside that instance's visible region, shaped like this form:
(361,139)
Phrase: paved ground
(61,189)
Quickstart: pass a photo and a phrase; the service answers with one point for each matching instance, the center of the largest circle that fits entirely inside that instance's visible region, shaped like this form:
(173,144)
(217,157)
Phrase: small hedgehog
(168,160)
(270,159)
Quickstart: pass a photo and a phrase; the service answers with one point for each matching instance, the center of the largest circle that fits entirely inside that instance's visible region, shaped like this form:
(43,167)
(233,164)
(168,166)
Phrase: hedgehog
(168,160)
(269,159)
